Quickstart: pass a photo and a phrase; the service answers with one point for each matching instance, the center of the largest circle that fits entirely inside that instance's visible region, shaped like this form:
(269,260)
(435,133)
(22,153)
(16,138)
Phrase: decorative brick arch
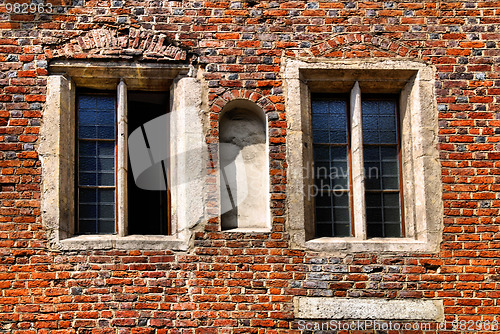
(112,43)
(356,45)
(220,101)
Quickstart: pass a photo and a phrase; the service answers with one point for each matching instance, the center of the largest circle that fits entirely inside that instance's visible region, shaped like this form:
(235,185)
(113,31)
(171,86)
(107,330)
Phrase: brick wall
(235,282)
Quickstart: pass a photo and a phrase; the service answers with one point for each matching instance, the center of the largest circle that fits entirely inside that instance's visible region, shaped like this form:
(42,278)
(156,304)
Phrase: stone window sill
(371,245)
(248,230)
(131,242)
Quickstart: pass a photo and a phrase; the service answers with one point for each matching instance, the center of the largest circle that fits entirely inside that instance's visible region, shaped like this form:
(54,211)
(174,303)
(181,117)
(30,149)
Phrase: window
(363,167)
(96,164)
(97,172)
(92,197)
(331,151)
(380,177)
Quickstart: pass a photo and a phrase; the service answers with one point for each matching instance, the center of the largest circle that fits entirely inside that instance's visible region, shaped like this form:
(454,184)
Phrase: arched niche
(244,167)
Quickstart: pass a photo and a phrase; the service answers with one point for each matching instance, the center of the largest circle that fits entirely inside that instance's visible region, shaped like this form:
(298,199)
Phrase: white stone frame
(57,151)
(423,209)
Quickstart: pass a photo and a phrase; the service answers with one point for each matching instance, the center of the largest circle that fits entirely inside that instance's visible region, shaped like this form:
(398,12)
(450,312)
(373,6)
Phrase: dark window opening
(148,210)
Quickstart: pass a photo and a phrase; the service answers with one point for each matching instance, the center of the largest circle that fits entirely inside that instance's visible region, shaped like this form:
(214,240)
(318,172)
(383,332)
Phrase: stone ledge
(368,309)
(353,245)
(140,242)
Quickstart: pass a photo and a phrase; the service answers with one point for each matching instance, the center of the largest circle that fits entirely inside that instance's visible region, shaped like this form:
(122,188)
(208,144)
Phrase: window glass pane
(106,179)
(381,163)
(324,230)
(106,226)
(87,164)
(392,230)
(374,230)
(87,195)
(87,211)
(87,179)
(342,229)
(379,121)
(96,164)
(331,166)
(106,149)
(87,226)
(105,132)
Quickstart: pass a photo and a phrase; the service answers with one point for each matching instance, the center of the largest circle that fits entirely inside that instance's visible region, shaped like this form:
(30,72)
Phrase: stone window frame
(423,208)
(58,154)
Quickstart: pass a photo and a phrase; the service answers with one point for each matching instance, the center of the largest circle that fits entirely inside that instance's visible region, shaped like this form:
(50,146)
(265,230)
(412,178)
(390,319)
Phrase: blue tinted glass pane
(106,149)
(320,106)
(370,137)
(105,117)
(106,210)
(320,121)
(106,103)
(371,153)
(87,102)
(390,183)
(87,179)
(87,149)
(387,123)
(87,132)
(390,169)
(379,122)
(106,226)
(106,179)
(329,115)
(338,137)
(321,169)
(387,107)
(339,153)
(370,122)
(86,226)
(321,136)
(388,137)
(106,132)
(329,123)
(87,195)
(106,164)
(87,118)
(96,160)
(87,211)
(106,195)
(392,199)
(321,153)
(87,164)
(389,153)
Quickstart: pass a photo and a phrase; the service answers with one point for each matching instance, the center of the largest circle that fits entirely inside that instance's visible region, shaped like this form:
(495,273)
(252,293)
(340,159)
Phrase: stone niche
(244,167)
